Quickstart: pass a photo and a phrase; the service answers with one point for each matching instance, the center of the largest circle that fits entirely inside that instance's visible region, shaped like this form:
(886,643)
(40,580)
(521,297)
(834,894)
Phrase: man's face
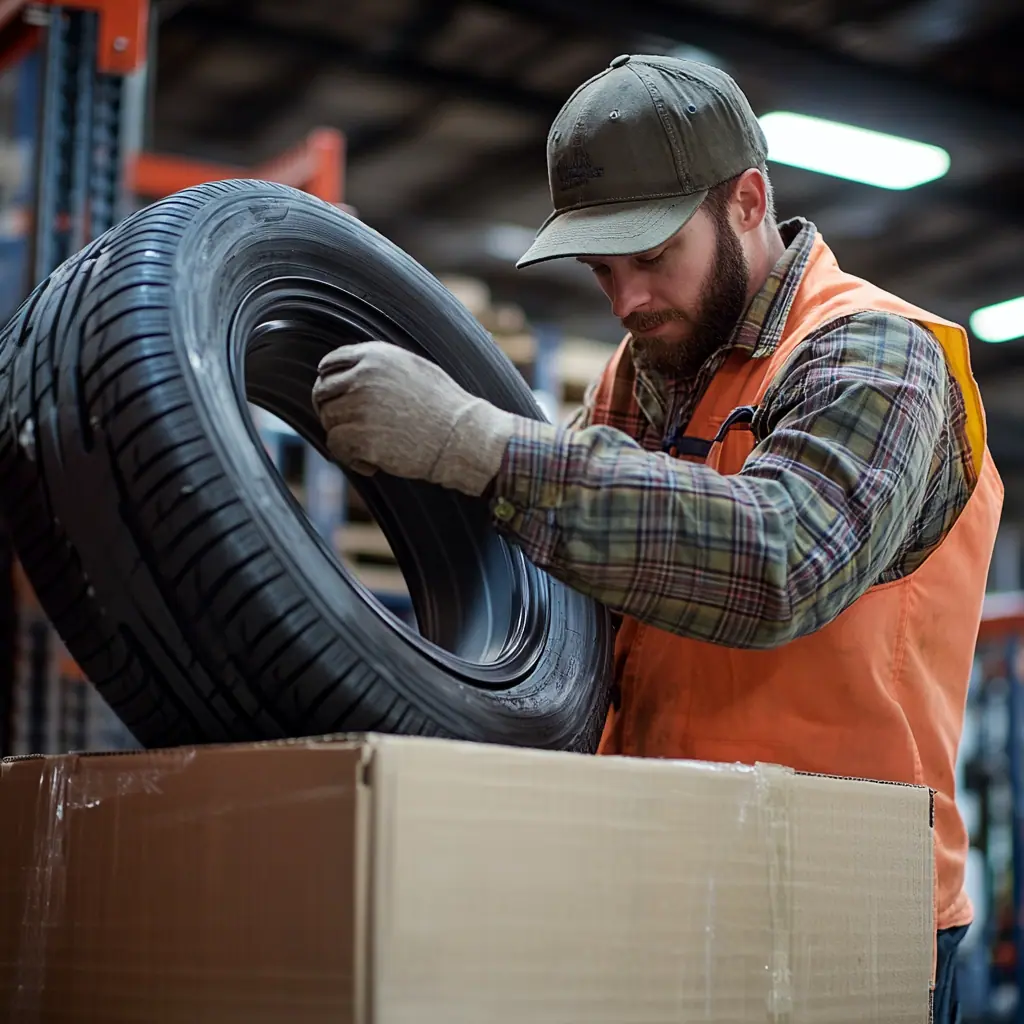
(682,300)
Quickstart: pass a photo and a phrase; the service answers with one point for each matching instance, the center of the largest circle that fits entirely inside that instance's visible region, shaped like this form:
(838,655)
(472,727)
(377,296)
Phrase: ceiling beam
(428,20)
(368,140)
(165,10)
(787,59)
(264,105)
(868,12)
(330,51)
(270,102)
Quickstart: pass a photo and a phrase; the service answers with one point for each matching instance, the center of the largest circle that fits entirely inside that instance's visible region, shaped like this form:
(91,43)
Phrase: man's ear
(749,201)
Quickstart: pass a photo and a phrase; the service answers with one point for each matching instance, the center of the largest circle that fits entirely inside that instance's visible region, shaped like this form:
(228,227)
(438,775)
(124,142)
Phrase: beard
(722,302)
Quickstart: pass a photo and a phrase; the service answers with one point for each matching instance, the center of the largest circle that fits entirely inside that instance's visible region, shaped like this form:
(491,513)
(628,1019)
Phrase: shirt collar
(764,321)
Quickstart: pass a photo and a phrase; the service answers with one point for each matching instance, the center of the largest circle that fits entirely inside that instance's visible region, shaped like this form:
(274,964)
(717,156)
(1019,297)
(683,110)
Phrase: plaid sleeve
(755,559)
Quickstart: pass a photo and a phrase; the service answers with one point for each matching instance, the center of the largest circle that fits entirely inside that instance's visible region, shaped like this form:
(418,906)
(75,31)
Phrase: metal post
(90,124)
(48,146)
(134,96)
(106,153)
(118,114)
(15,246)
(78,107)
(1013,742)
(81,74)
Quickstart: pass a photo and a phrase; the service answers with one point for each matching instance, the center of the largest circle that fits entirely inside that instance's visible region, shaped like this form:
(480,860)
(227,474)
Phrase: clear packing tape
(774,796)
(44,890)
(34,886)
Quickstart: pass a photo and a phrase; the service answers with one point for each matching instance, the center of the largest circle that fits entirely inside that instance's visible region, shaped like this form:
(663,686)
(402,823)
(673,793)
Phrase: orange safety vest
(879,692)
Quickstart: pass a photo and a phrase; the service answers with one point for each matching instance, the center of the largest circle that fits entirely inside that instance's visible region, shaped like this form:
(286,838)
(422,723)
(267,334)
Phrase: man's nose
(628,293)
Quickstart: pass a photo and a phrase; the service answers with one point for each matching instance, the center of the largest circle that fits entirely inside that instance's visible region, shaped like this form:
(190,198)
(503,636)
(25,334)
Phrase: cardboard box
(383,880)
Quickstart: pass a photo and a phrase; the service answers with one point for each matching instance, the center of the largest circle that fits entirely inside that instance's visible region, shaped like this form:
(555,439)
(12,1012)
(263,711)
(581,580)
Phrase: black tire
(175,564)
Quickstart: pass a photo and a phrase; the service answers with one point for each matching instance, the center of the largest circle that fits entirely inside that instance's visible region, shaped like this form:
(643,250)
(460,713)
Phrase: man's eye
(599,268)
(650,260)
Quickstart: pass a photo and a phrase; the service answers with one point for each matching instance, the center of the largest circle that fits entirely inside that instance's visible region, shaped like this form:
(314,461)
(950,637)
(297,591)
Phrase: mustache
(647,320)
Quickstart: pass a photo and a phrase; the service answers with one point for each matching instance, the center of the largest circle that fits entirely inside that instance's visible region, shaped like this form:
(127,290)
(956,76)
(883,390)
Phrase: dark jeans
(945,1004)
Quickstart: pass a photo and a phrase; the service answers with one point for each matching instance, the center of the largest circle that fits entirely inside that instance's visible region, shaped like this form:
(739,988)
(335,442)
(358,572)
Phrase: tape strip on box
(69,784)
(775,790)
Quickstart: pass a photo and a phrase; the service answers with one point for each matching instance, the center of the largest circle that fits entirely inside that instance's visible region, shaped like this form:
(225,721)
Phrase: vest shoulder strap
(827,293)
(613,401)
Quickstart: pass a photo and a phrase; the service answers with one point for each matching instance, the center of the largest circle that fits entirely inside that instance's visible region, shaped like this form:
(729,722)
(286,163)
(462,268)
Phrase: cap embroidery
(575,168)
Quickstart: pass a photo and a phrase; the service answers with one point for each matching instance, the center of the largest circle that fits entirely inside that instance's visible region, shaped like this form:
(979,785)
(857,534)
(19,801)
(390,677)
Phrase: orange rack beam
(1002,616)
(316,166)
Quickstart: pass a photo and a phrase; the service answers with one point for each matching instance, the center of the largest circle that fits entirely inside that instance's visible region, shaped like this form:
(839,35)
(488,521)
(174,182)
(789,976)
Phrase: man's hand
(387,409)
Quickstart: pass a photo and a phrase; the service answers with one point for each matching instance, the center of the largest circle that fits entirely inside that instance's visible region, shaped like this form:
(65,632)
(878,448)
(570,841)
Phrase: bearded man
(780,482)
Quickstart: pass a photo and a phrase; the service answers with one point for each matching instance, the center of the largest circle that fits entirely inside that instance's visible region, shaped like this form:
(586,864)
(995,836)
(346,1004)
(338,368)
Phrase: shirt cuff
(529,487)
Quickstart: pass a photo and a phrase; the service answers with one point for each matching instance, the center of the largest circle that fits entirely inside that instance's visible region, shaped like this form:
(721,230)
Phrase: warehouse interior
(445,108)
(427,121)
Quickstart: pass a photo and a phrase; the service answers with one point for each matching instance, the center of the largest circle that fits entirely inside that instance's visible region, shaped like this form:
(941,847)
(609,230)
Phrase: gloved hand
(385,408)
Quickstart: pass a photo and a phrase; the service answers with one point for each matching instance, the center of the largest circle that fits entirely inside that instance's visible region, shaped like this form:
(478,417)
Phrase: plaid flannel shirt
(860,468)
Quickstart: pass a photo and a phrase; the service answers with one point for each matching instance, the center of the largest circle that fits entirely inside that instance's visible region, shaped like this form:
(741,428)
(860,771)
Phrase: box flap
(846,836)
(523,885)
(180,886)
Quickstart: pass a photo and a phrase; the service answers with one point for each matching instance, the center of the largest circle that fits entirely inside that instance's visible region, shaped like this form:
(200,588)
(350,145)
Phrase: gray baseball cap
(633,152)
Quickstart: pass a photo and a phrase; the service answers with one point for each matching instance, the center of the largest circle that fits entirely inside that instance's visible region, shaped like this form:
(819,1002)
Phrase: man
(781,480)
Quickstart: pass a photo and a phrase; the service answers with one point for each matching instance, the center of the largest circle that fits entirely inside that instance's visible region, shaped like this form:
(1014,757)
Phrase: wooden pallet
(364,551)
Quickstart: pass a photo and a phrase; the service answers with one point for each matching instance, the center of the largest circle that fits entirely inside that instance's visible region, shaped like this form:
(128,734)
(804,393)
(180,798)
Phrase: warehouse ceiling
(446,105)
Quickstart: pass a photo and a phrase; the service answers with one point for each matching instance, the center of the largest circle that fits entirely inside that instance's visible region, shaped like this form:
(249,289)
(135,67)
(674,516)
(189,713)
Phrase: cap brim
(612,229)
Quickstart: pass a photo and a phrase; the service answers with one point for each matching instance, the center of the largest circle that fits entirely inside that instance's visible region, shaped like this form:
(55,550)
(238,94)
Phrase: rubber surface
(173,561)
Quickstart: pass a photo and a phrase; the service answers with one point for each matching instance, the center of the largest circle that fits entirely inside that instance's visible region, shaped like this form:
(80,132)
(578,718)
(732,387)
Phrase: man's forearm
(727,559)
(647,535)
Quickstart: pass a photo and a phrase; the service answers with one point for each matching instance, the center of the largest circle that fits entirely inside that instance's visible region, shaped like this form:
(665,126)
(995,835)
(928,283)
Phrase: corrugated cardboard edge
(58,791)
(935,879)
(879,782)
(362,1009)
(350,739)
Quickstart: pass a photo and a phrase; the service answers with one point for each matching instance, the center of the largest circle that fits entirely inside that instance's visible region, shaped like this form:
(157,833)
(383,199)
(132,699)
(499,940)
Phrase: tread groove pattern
(170,575)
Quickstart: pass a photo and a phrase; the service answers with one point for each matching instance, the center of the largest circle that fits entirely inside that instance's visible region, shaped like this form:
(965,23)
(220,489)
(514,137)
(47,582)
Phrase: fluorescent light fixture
(686,52)
(856,154)
(1002,322)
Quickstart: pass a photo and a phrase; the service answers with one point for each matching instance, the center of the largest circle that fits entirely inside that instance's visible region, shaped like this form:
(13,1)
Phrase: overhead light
(856,154)
(1002,322)
(686,52)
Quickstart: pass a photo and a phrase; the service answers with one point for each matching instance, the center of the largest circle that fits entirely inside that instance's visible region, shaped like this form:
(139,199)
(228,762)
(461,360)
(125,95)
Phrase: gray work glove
(385,408)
